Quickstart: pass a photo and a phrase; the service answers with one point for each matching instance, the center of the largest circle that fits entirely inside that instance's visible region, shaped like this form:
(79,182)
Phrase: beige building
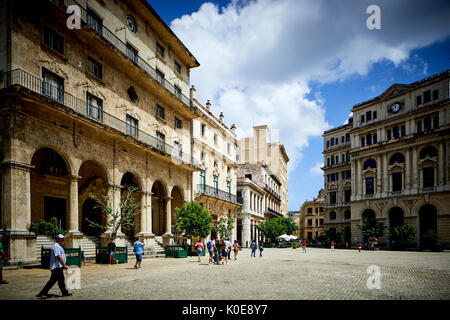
(214,144)
(259,189)
(400,171)
(310,221)
(259,148)
(337,179)
(92,110)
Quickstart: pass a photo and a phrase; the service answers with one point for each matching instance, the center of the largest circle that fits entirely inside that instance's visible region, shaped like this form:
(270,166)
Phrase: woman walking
(199,247)
(235,249)
(261,248)
(224,253)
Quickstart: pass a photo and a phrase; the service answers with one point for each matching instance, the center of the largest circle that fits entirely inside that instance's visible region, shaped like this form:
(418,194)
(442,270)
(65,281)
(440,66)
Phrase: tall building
(259,189)
(400,170)
(214,144)
(259,148)
(311,218)
(91,110)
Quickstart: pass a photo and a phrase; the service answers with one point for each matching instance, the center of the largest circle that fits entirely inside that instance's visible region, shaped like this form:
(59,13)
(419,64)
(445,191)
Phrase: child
(112,250)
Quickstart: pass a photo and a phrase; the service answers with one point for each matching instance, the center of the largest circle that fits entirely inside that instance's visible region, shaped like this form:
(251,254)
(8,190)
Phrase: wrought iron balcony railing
(275,213)
(81,107)
(218,194)
(273,192)
(110,37)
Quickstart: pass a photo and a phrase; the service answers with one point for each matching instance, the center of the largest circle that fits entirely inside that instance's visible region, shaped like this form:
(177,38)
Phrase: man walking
(304,246)
(211,246)
(253,247)
(57,267)
(138,250)
(3,258)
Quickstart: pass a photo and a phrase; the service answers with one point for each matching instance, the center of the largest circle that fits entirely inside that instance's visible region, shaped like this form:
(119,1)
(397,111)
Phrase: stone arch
(93,213)
(159,194)
(176,202)
(370,163)
(396,217)
(130,179)
(67,160)
(50,185)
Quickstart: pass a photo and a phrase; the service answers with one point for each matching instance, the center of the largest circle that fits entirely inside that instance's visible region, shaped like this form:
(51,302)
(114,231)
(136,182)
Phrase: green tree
(193,220)
(273,228)
(402,235)
(372,229)
(430,239)
(224,226)
(331,235)
(47,228)
(289,224)
(123,217)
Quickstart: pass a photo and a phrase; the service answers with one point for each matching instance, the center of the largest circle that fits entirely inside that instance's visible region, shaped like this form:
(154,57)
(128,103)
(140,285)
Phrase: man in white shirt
(57,266)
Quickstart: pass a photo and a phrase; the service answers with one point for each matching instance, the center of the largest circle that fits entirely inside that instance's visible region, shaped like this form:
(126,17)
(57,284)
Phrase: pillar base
(119,241)
(73,239)
(21,246)
(167,239)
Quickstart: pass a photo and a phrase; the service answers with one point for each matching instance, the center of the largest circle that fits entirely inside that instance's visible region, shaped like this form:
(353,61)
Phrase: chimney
(208,104)
(192,94)
(233,128)
(221,117)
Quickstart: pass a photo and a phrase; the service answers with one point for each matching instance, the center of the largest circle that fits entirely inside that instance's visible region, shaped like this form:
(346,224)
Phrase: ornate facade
(311,218)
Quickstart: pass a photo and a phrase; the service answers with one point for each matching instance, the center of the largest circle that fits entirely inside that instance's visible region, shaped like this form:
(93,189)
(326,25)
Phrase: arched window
(332,215)
(370,164)
(427,124)
(428,151)
(398,157)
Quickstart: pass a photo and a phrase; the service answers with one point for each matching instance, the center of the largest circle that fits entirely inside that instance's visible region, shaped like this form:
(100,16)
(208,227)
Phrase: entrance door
(55,207)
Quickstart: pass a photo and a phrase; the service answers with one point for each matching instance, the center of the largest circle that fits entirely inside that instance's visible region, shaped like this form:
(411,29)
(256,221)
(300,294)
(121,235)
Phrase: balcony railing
(273,192)
(218,194)
(110,37)
(57,94)
(275,213)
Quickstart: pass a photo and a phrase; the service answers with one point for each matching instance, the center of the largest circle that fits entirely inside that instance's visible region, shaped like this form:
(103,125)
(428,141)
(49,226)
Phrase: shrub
(47,228)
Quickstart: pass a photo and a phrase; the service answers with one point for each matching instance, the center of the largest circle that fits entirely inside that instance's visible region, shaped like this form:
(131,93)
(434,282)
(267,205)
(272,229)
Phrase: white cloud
(258,57)
(316,170)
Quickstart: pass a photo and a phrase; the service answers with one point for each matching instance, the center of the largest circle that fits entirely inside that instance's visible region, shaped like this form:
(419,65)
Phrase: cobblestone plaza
(281,274)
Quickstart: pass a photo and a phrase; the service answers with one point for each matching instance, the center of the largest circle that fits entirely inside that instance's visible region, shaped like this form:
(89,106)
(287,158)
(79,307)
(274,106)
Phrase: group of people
(253,246)
(221,257)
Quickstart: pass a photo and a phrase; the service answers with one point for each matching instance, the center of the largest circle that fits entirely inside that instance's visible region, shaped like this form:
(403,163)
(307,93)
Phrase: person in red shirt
(304,246)
(199,247)
(332,245)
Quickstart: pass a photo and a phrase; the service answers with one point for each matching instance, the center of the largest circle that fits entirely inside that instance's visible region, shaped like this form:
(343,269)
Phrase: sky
(300,65)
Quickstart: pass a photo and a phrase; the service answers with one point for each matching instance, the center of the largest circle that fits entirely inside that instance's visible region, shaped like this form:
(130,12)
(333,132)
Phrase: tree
(273,228)
(123,217)
(431,239)
(224,226)
(402,235)
(290,225)
(372,229)
(47,228)
(193,220)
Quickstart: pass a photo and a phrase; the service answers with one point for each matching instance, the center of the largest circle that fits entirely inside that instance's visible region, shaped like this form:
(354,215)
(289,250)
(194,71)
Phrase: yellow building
(310,221)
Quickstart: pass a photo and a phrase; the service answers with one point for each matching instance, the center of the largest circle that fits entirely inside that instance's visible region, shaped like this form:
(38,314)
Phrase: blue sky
(312,67)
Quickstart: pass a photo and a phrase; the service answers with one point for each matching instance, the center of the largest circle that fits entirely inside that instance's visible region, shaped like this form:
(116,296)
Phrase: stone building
(92,110)
(400,171)
(214,144)
(311,218)
(337,178)
(259,148)
(259,189)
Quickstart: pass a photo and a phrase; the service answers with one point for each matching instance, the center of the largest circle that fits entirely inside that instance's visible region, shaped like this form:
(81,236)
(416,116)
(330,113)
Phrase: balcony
(105,34)
(218,194)
(272,192)
(19,77)
(274,213)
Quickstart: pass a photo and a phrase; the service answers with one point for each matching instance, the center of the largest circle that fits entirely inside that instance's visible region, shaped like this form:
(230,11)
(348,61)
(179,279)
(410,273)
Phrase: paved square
(281,274)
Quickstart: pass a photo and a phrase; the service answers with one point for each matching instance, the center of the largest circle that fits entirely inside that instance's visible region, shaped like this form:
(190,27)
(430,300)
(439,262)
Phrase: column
(407,187)
(385,176)
(379,182)
(246,230)
(148,214)
(415,176)
(73,207)
(143,213)
(359,179)
(440,177)
(353,180)
(169,216)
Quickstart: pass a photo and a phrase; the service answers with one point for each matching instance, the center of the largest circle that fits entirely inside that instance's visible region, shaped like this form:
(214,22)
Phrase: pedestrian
(253,247)
(3,258)
(359,247)
(138,250)
(304,246)
(211,246)
(332,245)
(235,249)
(228,244)
(112,250)
(224,253)
(261,248)
(199,247)
(57,267)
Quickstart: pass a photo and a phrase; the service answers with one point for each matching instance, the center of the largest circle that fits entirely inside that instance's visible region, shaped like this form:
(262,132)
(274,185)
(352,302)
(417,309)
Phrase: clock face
(395,107)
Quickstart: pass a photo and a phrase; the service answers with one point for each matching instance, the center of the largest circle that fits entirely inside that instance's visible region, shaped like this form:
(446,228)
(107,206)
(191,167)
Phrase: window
(418,100)
(94,21)
(369,139)
(363,142)
(320,222)
(160,141)
(337,159)
(52,86)
(132,126)
(389,134)
(53,40)
(202,155)
(427,124)
(229,188)
(132,53)
(332,141)
(332,215)
(159,49)
(428,177)
(309,222)
(403,130)
(95,67)
(216,183)
(362,118)
(131,23)
(132,94)
(397,181)
(202,130)
(374,114)
(375,138)
(342,139)
(332,160)
(228,148)
(202,179)
(370,186)
(427,96)
(177,123)
(419,126)
(94,107)
(177,67)
(332,197)
(347,156)
(347,137)
(396,132)
(328,162)
(160,111)
(347,195)
(328,143)
(159,76)
(370,164)
(436,122)
(347,214)
(397,157)
(215,138)
(178,149)
(369,115)
(343,158)
(177,92)
(435,94)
